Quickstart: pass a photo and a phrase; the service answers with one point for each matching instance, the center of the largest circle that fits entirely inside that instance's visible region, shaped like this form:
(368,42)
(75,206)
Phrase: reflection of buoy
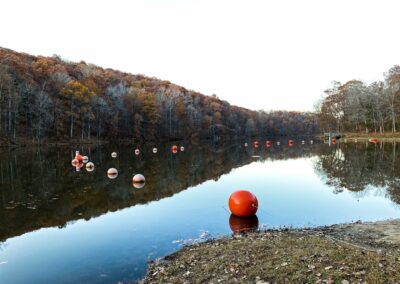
(373,140)
(256,144)
(85,159)
(74,162)
(138,185)
(155,150)
(243,224)
(182,148)
(290,142)
(138,178)
(78,166)
(174,149)
(245,144)
(137,152)
(112,173)
(113,154)
(243,203)
(90,167)
(78,156)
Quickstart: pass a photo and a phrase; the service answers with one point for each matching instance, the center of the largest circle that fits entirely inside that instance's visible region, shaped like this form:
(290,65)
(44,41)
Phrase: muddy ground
(349,253)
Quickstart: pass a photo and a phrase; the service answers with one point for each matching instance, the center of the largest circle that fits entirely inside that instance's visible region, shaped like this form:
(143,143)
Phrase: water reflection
(240,225)
(39,188)
(358,167)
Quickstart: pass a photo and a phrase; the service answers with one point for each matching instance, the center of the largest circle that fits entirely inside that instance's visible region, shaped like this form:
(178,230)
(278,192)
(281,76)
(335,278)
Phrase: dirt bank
(350,253)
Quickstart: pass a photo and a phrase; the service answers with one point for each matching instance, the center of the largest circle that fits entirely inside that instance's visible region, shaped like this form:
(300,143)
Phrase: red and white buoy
(78,157)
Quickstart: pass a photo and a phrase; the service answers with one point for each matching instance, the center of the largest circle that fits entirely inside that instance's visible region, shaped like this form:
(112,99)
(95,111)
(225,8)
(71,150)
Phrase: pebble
(345,281)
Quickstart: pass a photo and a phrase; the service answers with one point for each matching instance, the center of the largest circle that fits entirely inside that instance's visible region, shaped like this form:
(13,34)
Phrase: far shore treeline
(359,107)
(51,99)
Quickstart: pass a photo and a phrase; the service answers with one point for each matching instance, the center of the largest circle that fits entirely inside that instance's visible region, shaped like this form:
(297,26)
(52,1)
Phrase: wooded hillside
(359,107)
(50,98)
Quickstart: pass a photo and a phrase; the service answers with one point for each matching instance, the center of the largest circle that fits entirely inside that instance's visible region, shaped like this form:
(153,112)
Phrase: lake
(59,225)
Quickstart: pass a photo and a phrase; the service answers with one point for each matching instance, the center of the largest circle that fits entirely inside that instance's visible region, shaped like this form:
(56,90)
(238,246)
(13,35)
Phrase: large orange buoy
(243,224)
(256,144)
(373,140)
(243,203)
(174,149)
(78,157)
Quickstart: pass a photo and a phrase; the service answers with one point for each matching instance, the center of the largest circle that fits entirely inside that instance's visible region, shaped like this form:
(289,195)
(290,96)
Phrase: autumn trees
(360,107)
(49,98)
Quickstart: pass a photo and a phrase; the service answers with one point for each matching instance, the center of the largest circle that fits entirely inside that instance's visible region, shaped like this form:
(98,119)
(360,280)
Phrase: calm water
(62,226)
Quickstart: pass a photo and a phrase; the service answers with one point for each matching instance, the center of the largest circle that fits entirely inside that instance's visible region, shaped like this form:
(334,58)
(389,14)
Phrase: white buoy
(138,178)
(85,159)
(112,173)
(303,142)
(278,143)
(137,152)
(114,154)
(90,167)
(155,150)
(182,148)
(74,162)
(138,185)
(312,142)
(245,144)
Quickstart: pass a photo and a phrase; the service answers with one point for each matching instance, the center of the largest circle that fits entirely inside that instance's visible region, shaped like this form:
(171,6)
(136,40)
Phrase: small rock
(345,281)
(328,267)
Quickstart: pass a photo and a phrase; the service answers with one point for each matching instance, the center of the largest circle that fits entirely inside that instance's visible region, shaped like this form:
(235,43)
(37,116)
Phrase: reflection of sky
(117,245)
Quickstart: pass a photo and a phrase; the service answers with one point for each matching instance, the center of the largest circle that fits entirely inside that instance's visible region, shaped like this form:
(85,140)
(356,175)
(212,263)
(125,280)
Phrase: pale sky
(277,54)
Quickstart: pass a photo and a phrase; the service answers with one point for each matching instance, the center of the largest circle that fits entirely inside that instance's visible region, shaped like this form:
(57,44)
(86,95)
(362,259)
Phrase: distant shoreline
(344,253)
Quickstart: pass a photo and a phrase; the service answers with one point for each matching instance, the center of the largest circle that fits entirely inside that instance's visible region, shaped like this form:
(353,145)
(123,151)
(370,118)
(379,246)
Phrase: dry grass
(292,256)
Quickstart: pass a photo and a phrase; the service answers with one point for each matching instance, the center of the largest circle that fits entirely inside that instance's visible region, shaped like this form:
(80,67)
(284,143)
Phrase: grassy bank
(353,253)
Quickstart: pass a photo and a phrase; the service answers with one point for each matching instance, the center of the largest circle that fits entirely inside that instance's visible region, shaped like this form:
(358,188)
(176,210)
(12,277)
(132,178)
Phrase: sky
(271,55)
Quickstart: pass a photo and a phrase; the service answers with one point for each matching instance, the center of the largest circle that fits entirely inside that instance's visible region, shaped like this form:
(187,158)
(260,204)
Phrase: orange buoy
(333,141)
(243,203)
(243,224)
(114,154)
(78,166)
(90,167)
(268,143)
(256,144)
(78,157)
(373,140)
(290,142)
(112,173)
(174,149)
(137,152)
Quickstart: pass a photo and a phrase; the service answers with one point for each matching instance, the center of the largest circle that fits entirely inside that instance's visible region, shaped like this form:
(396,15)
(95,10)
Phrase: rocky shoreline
(346,253)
